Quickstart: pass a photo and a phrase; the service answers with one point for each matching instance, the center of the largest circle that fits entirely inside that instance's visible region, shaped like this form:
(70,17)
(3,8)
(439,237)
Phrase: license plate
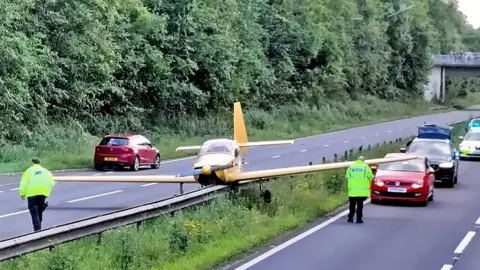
(110,159)
(397,190)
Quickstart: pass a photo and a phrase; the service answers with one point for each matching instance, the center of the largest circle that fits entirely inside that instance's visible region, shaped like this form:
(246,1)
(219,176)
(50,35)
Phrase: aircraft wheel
(267,196)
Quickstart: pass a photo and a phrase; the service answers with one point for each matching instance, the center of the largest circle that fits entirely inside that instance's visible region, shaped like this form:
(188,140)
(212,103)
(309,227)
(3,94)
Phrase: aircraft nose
(207,170)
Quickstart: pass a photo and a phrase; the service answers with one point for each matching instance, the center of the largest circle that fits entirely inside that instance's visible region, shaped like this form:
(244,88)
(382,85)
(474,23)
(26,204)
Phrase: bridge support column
(435,89)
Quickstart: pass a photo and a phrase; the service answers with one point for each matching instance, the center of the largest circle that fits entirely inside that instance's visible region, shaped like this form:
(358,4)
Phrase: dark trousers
(356,202)
(36,206)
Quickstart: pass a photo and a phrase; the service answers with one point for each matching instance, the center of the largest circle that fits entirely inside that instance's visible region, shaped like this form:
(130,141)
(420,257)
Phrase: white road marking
(376,134)
(7,184)
(14,214)
(147,185)
(303,150)
(326,145)
(345,141)
(95,196)
(15,188)
(464,242)
(363,137)
(1,191)
(109,172)
(389,131)
(245,163)
(180,159)
(447,267)
(477,222)
(275,156)
(293,240)
(96,174)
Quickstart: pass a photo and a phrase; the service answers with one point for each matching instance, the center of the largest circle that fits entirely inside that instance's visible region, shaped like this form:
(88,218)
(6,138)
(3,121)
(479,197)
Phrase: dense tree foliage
(101,63)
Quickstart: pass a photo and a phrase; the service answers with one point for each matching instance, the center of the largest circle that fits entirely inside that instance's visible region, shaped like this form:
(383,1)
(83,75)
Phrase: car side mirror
(461,137)
(403,150)
(374,169)
(430,170)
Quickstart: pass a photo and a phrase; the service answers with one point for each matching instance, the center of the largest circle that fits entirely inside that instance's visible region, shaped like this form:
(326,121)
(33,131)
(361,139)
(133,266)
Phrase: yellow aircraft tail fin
(239,129)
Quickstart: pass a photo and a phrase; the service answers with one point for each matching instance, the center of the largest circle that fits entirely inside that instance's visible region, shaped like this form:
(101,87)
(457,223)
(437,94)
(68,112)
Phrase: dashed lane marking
(9,184)
(147,185)
(345,141)
(95,196)
(303,150)
(14,189)
(326,145)
(447,267)
(275,156)
(466,240)
(363,137)
(376,134)
(14,214)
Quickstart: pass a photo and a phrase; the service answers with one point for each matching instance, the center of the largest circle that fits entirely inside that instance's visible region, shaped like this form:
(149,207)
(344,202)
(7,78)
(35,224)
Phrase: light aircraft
(220,162)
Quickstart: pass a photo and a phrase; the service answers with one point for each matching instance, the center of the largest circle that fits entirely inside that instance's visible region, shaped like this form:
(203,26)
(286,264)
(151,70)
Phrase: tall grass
(69,146)
(205,236)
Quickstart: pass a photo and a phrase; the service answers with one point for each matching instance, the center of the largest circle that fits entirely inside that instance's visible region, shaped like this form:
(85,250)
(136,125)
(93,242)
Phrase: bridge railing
(460,60)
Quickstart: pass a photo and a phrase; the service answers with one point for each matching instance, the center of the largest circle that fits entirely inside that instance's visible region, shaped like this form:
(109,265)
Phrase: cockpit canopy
(219,146)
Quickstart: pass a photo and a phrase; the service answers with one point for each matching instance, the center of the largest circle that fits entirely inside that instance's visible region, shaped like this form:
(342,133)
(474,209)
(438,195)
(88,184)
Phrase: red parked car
(411,180)
(121,150)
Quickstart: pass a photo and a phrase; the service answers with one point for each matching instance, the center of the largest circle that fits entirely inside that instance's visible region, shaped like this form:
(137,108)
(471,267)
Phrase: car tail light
(418,184)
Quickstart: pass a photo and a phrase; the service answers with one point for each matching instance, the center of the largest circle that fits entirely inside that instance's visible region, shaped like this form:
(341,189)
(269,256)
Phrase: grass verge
(69,147)
(205,236)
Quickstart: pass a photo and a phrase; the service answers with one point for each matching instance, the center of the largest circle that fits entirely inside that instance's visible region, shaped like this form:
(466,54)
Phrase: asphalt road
(393,237)
(73,201)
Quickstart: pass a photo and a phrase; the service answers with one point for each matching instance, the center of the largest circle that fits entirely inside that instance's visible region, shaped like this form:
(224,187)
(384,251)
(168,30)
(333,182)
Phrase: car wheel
(136,164)
(424,203)
(374,201)
(431,197)
(455,178)
(98,167)
(156,164)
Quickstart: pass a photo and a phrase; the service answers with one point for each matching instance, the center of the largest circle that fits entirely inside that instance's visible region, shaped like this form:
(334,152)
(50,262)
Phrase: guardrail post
(390,142)
(323,160)
(335,157)
(181,188)
(139,224)
(369,147)
(99,238)
(310,163)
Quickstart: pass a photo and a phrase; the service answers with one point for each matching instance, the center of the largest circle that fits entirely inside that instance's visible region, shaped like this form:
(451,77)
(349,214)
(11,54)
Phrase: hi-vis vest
(359,176)
(36,180)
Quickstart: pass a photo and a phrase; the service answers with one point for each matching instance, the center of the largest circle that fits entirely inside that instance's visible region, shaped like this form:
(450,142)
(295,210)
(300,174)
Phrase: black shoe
(350,220)
(359,221)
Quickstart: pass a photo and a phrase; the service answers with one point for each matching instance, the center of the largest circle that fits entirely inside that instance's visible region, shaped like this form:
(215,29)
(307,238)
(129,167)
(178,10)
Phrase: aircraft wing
(262,174)
(187,148)
(265,143)
(128,179)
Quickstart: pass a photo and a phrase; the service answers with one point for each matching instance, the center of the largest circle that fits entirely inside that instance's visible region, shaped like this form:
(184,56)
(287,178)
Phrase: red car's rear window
(114,141)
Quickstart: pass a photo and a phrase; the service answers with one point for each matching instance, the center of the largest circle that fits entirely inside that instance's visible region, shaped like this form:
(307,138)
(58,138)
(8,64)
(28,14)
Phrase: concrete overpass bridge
(462,65)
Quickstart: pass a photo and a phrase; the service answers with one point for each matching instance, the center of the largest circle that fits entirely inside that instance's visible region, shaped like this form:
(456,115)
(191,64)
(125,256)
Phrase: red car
(411,180)
(122,150)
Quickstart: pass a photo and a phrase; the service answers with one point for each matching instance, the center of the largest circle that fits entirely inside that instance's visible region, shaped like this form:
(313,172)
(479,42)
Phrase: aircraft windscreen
(472,136)
(416,165)
(216,148)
